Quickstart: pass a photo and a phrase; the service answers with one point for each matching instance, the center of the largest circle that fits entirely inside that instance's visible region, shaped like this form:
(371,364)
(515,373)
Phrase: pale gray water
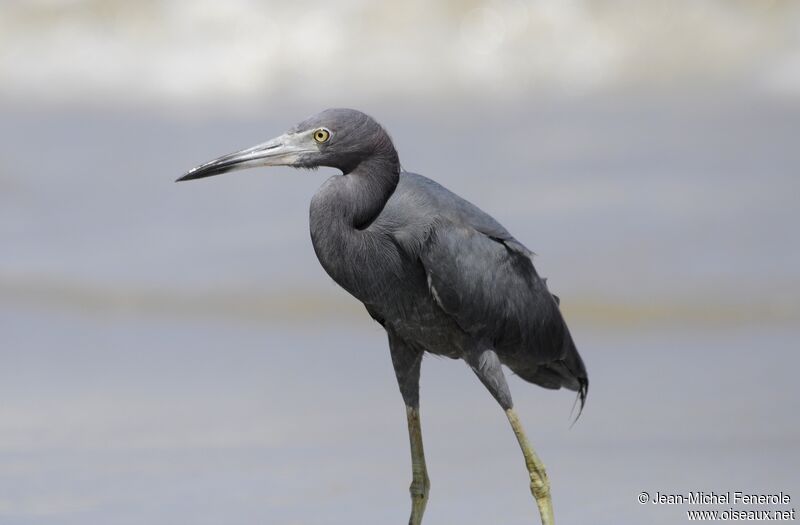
(174,354)
(137,419)
(623,199)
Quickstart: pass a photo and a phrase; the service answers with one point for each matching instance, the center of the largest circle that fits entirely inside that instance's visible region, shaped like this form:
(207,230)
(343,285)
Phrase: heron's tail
(568,372)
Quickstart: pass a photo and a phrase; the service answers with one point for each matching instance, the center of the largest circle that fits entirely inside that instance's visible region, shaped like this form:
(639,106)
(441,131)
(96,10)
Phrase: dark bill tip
(204,171)
(189,176)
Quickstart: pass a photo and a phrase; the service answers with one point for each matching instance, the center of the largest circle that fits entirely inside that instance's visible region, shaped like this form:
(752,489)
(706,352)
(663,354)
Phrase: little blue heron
(439,274)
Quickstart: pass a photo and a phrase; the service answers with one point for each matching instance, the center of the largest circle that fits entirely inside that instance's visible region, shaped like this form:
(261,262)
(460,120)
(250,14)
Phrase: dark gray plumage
(439,274)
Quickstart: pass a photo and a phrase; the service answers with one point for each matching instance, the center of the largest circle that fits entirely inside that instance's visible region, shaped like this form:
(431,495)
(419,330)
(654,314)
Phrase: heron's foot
(419,489)
(540,485)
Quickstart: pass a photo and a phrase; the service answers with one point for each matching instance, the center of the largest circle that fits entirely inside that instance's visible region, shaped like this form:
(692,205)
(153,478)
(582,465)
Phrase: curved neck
(341,213)
(367,188)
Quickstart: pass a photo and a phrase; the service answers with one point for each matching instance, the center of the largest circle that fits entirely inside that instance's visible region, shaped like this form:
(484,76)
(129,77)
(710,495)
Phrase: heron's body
(392,261)
(438,273)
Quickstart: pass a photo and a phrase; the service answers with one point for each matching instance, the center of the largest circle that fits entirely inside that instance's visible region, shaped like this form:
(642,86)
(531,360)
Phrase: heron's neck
(367,188)
(341,214)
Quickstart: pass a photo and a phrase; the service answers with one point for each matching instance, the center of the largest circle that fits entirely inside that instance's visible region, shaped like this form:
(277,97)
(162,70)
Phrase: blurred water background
(175,354)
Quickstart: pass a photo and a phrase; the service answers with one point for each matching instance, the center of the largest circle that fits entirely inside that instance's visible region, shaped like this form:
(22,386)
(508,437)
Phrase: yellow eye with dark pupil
(322,135)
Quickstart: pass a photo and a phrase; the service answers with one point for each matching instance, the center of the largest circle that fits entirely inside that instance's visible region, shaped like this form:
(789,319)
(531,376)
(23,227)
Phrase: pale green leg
(540,486)
(420,484)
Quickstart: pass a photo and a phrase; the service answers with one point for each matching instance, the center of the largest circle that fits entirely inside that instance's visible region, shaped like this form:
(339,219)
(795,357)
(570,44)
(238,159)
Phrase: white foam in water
(239,52)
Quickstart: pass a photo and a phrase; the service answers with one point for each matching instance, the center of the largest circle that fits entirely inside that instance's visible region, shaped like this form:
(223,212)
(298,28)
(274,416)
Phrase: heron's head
(338,138)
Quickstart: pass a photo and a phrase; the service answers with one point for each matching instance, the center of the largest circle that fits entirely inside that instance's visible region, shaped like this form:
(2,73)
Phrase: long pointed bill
(280,151)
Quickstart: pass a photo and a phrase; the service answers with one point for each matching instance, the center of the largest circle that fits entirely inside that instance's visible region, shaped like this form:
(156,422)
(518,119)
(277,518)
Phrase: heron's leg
(540,485)
(406,361)
(486,366)
(420,483)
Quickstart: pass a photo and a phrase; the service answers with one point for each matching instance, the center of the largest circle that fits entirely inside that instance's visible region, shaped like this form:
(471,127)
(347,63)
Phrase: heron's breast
(368,265)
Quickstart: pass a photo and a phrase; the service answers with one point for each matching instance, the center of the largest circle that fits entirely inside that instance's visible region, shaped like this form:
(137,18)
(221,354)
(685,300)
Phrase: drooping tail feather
(568,372)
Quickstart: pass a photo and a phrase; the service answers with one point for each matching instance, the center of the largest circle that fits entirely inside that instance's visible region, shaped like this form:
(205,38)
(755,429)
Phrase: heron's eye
(322,135)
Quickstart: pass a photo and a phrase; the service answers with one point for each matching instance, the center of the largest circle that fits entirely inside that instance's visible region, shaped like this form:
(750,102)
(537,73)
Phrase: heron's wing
(482,277)
(492,290)
(494,294)
(477,271)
